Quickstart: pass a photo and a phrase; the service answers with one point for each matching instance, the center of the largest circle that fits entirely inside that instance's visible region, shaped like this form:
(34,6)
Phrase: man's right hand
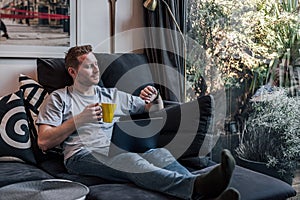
(91,113)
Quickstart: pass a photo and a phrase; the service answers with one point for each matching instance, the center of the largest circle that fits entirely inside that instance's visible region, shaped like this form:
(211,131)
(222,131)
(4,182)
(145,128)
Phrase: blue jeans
(155,169)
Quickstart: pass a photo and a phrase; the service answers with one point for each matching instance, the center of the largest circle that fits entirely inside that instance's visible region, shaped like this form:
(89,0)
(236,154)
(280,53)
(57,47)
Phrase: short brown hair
(71,58)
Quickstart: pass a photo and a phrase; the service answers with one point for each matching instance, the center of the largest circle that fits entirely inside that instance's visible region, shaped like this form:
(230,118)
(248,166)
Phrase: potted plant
(271,135)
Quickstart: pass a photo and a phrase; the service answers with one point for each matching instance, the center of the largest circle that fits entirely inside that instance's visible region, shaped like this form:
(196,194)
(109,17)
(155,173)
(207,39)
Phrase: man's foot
(5,35)
(213,183)
(229,194)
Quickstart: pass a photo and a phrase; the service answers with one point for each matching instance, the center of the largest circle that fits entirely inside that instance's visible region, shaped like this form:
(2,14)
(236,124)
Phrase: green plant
(244,41)
(216,26)
(272,132)
(279,27)
(278,30)
(253,31)
(204,19)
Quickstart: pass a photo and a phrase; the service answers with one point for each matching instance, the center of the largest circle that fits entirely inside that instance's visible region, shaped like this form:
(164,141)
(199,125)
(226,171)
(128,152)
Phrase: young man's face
(88,71)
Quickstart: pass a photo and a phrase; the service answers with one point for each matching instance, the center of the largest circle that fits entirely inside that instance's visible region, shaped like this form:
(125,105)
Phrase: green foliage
(241,37)
(279,28)
(272,131)
(204,18)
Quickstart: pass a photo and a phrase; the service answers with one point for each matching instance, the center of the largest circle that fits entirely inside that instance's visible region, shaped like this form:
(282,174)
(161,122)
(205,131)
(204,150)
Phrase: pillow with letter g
(14,131)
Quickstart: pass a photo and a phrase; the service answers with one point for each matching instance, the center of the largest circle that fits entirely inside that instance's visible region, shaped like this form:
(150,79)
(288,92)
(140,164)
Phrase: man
(72,116)
(4,29)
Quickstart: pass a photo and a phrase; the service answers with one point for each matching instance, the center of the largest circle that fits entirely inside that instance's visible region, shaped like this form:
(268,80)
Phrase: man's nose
(95,68)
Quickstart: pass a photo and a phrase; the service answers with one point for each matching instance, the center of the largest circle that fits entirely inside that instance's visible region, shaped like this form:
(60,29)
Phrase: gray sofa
(37,165)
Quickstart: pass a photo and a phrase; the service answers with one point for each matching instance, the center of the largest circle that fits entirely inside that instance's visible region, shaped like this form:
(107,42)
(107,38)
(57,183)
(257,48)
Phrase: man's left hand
(149,93)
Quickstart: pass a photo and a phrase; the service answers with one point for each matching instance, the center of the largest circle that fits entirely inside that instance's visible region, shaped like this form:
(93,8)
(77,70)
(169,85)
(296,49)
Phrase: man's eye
(88,66)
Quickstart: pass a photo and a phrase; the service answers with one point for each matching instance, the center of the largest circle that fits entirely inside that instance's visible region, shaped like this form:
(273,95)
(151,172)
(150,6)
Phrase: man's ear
(72,72)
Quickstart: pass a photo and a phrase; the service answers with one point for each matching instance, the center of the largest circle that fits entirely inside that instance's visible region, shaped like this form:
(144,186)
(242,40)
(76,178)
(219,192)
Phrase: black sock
(229,194)
(213,183)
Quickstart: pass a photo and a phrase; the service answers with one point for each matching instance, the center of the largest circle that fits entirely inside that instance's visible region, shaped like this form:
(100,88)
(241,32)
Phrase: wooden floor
(296,183)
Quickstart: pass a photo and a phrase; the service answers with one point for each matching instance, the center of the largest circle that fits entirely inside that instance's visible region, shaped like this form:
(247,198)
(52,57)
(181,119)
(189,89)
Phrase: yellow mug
(108,110)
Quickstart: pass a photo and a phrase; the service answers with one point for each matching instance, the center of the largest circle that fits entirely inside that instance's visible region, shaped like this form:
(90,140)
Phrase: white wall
(93,28)
(9,73)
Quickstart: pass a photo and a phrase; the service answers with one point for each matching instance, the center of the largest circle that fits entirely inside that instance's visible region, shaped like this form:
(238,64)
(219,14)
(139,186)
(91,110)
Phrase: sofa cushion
(52,73)
(14,129)
(124,191)
(14,172)
(254,185)
(260,186)
(187,130)
(128,72)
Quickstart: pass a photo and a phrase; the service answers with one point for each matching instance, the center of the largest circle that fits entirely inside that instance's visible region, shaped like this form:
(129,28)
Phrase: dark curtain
(165,47)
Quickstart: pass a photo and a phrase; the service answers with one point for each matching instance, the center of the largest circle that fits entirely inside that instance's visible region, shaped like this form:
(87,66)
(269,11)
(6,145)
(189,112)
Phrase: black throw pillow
(129,72)
(52,73)
(186,127)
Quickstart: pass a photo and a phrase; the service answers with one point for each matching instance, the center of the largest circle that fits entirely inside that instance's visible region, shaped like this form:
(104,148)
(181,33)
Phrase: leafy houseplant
(272,133)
